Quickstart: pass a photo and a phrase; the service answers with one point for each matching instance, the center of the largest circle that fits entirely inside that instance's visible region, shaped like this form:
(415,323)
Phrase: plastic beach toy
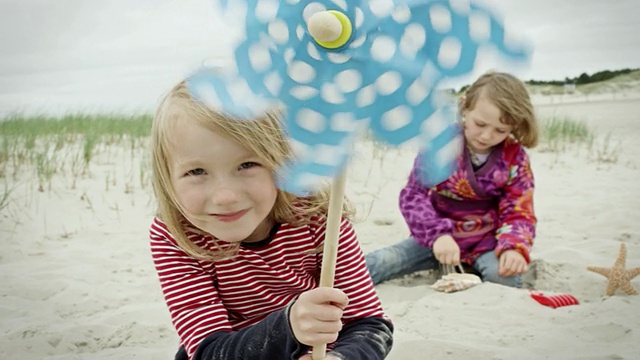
(340,67)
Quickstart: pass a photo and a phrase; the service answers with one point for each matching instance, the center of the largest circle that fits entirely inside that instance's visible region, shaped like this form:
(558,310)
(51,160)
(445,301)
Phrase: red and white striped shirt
(204,297)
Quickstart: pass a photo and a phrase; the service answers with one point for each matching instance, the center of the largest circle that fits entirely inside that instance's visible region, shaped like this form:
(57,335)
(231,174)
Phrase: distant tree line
(584,78)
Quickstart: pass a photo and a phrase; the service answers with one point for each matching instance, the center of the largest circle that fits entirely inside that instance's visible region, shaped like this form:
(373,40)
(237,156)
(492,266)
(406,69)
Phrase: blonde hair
(510,95)
(263,136)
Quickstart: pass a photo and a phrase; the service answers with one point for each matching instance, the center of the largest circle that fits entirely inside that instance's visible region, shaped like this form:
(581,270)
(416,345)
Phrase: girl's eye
(501,131)
(480,124)
(248,165)
(196,172)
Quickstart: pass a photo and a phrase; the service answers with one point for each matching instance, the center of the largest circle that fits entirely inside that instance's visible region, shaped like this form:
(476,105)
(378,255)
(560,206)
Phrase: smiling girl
(238,259)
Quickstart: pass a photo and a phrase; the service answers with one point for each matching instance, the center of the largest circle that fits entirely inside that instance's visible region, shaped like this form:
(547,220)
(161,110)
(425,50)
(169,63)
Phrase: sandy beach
(78,281)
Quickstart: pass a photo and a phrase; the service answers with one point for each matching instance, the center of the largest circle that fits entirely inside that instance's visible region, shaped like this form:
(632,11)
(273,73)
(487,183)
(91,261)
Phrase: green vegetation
(558,131)
(5,194)
(584,81)
(66,146)
(585,78)
(104,127)
(604,150)
(42,148)
(558,134)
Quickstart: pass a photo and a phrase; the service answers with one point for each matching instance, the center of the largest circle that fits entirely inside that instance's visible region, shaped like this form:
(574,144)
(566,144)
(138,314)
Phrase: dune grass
(5,195)
(104,126)
(50,146)
(45,147)
(558,132)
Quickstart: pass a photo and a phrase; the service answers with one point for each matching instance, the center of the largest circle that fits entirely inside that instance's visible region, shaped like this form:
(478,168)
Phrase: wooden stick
(330,251)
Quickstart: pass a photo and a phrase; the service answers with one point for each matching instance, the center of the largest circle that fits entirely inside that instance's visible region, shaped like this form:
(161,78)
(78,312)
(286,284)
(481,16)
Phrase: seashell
(456,282)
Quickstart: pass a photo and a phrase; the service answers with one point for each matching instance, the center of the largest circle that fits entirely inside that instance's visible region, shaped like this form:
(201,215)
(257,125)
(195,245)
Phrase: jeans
(407,256)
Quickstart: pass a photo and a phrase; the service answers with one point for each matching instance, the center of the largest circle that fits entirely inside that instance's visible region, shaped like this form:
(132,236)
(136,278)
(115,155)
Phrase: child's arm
(424,222)
(367,334)
(363,339)
(201,319)
(517,218)
(268,339)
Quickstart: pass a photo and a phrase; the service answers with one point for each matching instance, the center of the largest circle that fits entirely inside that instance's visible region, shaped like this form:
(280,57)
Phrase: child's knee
(379,263)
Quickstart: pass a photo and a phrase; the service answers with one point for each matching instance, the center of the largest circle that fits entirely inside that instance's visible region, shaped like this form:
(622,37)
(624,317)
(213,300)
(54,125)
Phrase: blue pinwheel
(339,67)
(372,63)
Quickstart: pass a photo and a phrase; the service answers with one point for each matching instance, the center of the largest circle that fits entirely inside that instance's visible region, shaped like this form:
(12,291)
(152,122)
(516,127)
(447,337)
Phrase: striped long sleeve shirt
(237,308)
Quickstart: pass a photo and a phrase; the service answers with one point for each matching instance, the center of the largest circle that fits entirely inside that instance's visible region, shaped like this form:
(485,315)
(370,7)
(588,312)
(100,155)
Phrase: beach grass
(45,147)
(557,131)
(103,126)
(559,134)
(5,195)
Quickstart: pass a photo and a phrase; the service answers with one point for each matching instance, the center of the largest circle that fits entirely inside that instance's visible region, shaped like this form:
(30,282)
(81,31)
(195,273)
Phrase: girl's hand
(327,357)
(446,250)
(512,263)
(315,316)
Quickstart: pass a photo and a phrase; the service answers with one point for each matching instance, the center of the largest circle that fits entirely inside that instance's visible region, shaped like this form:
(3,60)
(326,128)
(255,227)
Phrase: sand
(78,281)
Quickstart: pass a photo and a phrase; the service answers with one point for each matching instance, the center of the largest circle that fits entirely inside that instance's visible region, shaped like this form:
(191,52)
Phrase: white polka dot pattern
(382,77)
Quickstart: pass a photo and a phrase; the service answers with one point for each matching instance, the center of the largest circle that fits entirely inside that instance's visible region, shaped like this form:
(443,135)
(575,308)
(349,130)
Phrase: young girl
(239,260)
(483,214)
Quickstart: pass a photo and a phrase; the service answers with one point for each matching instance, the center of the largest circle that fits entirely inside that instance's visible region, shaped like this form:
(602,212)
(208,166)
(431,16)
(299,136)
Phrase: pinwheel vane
(339,67)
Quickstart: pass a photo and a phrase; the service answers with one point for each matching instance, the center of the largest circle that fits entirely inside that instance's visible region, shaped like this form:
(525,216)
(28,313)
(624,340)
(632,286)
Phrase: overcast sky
(62,55)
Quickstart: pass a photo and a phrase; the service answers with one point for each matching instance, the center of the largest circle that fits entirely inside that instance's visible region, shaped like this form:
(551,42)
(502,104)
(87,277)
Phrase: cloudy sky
(121,55)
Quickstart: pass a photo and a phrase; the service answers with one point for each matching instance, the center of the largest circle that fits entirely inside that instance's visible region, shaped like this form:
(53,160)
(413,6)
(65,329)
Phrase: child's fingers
(522,267)
(328,312)
(506,272)
(450,258)
(506,266)
(312,336)
(327,357)
(511,267)
(323,304)
(322,332)
(327,295)
(328,327)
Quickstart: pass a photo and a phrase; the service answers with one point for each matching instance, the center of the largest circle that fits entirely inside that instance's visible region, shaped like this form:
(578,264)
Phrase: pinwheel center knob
(330,29)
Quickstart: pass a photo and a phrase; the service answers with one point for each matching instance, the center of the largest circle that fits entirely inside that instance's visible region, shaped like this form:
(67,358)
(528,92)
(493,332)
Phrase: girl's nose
(224,195)
(486,135)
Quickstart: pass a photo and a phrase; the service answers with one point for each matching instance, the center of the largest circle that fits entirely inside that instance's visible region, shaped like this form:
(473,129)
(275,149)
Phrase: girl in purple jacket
(483,214)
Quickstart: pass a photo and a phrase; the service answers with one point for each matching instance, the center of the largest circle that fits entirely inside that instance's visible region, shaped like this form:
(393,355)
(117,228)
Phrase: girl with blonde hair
(238,259)
(482,215)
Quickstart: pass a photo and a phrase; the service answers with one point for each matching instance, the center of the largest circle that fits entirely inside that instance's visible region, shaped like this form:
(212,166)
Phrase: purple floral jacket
(490,208)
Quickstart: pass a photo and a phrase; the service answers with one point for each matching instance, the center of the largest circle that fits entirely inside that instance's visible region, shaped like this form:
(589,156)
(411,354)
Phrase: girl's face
(223,188)
(482,126)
